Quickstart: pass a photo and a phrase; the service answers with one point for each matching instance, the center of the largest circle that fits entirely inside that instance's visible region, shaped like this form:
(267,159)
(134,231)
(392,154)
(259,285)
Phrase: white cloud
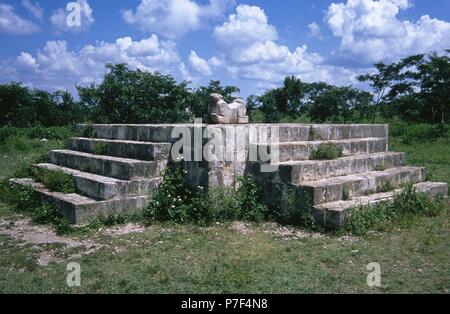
(12,23)
(249,51)
(314,30)
(200,65)
(26,60)
(59,19)
(55,66)
(370,31)
(34,8)
(173,18)
(248,26)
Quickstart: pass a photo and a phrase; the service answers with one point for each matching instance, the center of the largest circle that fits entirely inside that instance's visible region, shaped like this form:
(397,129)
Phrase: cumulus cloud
(34,8)
(248,26)
(59,19)
(199,65)
(249,51)
(173,18)
(314,30)
(370,31)
(55,66)
(12,23)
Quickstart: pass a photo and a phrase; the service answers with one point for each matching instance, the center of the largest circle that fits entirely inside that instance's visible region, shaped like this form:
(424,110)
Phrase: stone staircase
(117,167)
(110,175)
(366,174)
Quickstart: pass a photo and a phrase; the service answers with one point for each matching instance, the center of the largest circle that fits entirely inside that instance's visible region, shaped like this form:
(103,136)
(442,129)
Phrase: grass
(167,258)
(435,156)
(174,259)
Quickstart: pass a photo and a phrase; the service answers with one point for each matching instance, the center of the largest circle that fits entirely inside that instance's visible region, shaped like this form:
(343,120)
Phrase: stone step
(156,133)
(326,132)
(105,188)
(114,167)
(295,151)
(348,187)
(121,148)
(80,209)
(334,213)
(312,170)
(287,132)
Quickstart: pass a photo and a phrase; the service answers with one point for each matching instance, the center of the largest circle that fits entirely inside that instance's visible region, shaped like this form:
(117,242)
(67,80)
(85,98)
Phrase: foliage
(416,88)
(177,202)
(249,201)
(326,151)
(100,148)
(173,201)
(135,96)
(400,211)
(21,106)
(57,181)
(421,132)
(37,132)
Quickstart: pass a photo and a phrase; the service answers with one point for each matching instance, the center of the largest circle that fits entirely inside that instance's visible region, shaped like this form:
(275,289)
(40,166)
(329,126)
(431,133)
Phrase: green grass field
(229,258)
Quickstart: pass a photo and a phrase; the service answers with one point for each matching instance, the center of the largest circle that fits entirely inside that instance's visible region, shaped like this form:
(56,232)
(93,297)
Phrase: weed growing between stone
(326,151)
(56,181)
(100,148)
(399,212)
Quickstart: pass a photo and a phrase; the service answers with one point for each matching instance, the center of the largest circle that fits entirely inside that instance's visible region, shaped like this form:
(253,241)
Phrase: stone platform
(116,168)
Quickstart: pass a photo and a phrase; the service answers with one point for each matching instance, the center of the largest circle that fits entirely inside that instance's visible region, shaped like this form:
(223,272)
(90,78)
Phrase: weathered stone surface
(293,151)
(223,113)
(105,188)
(119,168)
(122,148)
(310,170)
(334,189)
(135,155)
(79,209)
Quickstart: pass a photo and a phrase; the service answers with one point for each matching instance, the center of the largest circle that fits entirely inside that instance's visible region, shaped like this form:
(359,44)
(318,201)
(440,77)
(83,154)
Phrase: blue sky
(251,44)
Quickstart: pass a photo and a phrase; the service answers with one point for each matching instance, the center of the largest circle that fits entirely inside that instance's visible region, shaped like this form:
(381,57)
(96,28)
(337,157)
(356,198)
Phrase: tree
(435,86)
(338,104)
(416,88)
(135,96)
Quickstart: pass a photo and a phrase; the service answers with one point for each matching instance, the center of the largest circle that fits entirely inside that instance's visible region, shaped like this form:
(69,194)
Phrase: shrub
(22,198)
(249,201)
(177,202)
(410,133)
(326,151)
(173,199)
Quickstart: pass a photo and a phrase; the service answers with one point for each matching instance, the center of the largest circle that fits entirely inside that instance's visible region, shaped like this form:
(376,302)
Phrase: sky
(56,44)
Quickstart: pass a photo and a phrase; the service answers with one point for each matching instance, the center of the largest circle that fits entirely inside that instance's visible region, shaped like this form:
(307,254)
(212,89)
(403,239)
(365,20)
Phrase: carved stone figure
(223,113)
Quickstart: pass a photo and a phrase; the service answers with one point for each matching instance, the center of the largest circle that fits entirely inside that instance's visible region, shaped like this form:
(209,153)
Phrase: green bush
(326,151)
(249,201)
(177,202)
(409,133)
(173,199)
(21,198)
